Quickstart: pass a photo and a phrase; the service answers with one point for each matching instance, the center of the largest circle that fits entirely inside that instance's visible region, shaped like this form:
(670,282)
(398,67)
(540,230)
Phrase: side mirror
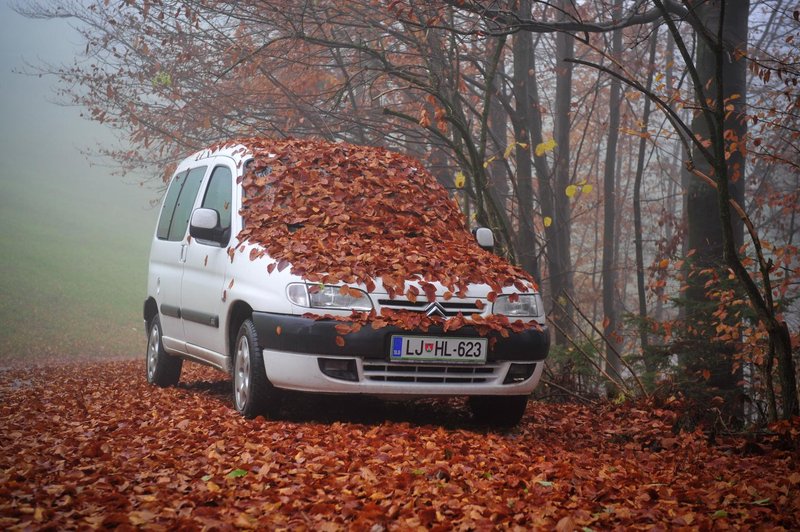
(485,238)
(204,225)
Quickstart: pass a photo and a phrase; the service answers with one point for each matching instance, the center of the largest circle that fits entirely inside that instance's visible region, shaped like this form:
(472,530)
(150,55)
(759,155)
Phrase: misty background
(74,238)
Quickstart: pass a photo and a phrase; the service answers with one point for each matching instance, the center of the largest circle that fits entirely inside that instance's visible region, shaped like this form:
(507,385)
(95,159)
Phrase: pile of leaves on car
(340,213)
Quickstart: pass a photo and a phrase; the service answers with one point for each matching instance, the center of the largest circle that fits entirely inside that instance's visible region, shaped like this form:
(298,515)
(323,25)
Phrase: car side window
(255,184)
(170,200)
(219,193)
(258,185)
(182,209)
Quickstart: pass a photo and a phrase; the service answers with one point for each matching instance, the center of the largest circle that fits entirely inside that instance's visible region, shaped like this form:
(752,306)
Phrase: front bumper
(296,334)
(294,348)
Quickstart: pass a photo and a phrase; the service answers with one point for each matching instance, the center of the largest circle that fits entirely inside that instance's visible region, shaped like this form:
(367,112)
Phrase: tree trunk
(544,177)
(609,214)
(558,250)
(705,225)
(523,50)
(731,123)
(637,209)
(498,126)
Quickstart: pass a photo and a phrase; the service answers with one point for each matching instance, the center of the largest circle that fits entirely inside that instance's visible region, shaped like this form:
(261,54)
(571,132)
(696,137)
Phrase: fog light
(339,368)
(518,373)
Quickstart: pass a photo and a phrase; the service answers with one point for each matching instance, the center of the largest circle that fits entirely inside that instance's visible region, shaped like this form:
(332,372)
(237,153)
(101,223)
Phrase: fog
(74,236)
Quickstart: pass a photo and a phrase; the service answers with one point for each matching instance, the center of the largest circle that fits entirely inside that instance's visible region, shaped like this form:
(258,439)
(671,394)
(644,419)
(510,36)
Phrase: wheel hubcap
(242,373)
(153,347)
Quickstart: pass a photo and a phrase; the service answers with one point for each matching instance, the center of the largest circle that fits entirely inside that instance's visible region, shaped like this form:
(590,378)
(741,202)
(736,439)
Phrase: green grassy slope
(73,264)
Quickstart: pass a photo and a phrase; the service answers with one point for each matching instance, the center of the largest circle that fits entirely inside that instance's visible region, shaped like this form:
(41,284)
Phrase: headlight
(328,297)
(522,305)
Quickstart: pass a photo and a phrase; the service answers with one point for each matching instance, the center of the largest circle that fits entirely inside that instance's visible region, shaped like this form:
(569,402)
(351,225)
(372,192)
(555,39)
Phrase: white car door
(168,252)
(205,283)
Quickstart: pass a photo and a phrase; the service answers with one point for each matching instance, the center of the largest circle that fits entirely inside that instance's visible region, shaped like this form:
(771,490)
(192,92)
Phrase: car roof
(237,152)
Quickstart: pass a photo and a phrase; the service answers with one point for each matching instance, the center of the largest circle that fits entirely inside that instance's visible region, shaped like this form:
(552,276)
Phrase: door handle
(184,247)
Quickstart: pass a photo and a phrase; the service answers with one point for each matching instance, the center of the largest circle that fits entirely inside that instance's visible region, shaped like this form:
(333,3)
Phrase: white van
(333,268)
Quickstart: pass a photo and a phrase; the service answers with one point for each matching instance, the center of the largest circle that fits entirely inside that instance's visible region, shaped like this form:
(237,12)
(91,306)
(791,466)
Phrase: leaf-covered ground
(90,444)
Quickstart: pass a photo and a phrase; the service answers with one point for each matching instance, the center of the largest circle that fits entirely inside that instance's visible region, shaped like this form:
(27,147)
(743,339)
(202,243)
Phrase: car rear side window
(170,200)
(219,194)
(178,204)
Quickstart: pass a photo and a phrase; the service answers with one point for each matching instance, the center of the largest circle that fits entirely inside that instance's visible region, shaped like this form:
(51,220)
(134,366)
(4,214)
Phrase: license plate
(437,349)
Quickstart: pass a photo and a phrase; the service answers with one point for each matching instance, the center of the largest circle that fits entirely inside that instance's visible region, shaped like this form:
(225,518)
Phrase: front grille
(450,308)
(428,373)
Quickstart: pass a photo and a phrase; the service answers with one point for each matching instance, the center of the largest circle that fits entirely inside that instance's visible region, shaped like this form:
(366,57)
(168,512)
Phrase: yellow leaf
(545,147)
(663,264)
(587,189)
(571,190)
(509,149)
(460,179)
(548,221)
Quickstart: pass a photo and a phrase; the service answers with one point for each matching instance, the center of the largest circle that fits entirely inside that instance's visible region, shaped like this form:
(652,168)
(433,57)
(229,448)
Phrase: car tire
(253,394)
(498,410)
(163,369)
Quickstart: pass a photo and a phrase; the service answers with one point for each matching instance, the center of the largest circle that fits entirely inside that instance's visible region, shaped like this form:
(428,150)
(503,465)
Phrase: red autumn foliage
(339,212)
(88,445)
(354,214)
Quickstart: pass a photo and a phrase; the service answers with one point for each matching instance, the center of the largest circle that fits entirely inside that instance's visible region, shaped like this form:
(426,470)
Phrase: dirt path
(91,444)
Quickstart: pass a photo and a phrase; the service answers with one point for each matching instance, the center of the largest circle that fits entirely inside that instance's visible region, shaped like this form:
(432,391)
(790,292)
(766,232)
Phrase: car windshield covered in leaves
(336,268)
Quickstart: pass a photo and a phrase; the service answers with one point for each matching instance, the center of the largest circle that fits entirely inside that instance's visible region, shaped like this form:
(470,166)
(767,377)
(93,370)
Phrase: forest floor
(91,444)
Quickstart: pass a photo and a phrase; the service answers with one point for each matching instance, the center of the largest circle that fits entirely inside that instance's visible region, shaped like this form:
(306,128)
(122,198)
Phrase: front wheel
(253,394)
(498,410)
(163,369)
